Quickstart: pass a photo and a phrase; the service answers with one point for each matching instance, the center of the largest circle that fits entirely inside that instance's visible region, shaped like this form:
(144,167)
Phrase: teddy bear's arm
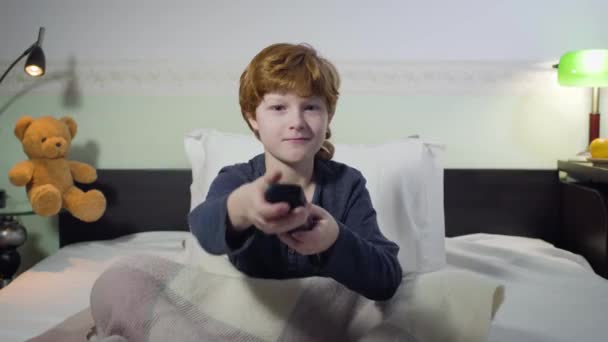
(82,172)
(21,173)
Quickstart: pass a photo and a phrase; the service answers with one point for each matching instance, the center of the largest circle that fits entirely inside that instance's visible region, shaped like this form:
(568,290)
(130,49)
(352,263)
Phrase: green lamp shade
(584,68)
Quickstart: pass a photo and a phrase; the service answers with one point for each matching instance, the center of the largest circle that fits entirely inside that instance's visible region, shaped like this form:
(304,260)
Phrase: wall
(138,75)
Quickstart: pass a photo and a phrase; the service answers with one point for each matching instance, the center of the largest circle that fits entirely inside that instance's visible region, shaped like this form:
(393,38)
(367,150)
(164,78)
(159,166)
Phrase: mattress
(551,294)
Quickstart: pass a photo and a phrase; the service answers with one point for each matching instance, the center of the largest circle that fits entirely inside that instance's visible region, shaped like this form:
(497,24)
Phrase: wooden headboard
(512,202)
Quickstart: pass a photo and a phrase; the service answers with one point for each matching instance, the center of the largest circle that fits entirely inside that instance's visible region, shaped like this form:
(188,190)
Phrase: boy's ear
(252,121)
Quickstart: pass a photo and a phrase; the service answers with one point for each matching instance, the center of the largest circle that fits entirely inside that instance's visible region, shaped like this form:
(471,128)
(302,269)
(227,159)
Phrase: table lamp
(12,233)
(586,68)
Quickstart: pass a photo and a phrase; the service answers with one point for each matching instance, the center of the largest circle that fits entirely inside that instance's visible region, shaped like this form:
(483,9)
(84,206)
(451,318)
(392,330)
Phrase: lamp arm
(17,60)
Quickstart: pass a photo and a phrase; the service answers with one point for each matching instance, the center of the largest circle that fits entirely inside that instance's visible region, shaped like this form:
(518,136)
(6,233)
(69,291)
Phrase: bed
(503,224)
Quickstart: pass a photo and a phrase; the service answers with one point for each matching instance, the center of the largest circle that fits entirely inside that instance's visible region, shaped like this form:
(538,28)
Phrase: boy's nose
(297,120)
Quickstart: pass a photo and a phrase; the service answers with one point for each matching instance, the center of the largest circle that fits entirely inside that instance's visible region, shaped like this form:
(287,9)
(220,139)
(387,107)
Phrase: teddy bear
(49,176)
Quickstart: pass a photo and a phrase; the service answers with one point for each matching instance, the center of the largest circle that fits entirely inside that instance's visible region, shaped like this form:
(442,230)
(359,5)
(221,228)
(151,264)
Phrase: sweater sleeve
(362,259)
(209,220)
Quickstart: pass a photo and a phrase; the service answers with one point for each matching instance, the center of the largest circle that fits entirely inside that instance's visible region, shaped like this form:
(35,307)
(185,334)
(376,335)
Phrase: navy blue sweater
(361,259)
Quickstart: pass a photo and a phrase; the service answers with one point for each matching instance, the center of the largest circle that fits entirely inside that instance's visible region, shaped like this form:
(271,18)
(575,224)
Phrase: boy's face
(291,128)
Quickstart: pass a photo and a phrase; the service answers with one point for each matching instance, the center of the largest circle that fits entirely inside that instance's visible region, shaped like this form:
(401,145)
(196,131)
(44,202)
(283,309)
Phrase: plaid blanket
(148,298)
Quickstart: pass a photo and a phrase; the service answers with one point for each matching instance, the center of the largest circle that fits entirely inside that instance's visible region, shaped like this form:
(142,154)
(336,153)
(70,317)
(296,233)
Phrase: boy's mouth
(296,139)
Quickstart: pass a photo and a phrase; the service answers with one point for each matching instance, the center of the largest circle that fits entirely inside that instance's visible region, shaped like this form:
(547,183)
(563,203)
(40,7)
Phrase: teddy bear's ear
(22,124)
(71,125)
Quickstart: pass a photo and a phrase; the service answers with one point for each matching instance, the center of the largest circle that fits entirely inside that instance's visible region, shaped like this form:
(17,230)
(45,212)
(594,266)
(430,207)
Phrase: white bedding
(551,295)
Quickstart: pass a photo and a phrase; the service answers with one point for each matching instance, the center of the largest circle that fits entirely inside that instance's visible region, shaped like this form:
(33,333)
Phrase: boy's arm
(209,221)
(362,258)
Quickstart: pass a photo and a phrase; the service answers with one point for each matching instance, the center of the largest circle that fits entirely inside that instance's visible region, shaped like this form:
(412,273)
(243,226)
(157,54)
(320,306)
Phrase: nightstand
(584,212)
(12,235)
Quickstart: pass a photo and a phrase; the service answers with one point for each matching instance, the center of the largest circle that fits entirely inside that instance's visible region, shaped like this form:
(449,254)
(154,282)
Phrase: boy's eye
(311,107)
(277,107)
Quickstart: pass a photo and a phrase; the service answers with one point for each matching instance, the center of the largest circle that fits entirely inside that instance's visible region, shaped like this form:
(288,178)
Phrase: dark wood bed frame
(511,202)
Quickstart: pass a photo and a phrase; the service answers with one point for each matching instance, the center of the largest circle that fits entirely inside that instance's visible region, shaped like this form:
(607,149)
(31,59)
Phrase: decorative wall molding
(134,77)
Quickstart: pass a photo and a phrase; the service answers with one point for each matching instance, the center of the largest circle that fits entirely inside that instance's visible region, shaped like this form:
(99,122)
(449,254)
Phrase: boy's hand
(317,240)
(247,206)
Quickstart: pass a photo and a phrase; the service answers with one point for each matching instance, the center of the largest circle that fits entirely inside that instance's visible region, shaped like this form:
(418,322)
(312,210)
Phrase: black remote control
(290,193)
(293,195)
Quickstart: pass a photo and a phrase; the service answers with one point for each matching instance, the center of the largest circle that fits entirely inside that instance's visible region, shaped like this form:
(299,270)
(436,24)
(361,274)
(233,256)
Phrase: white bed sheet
(551,295)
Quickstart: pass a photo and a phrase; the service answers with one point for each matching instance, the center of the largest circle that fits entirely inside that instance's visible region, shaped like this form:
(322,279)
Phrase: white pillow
(405,182)
(404,179)
(209,150)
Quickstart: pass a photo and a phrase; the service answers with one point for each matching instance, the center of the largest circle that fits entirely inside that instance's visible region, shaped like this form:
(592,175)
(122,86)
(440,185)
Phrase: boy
(288,97)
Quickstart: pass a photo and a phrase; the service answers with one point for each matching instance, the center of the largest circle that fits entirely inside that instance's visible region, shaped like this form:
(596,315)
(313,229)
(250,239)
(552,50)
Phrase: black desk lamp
(12,233)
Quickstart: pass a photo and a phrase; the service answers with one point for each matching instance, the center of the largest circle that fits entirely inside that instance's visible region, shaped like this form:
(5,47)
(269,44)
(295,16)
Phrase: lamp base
(594,126)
